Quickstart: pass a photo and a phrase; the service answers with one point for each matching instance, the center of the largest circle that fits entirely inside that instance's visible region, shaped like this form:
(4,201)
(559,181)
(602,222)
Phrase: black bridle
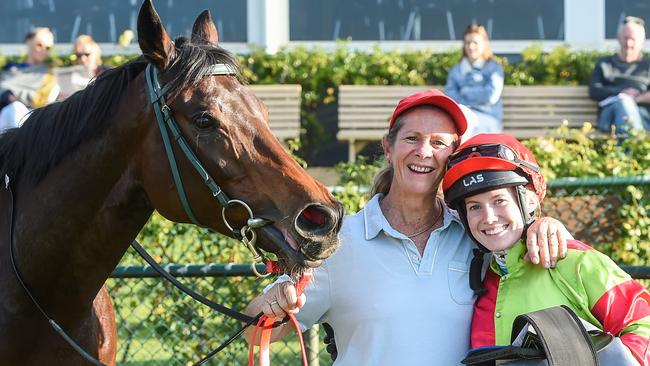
(246,234)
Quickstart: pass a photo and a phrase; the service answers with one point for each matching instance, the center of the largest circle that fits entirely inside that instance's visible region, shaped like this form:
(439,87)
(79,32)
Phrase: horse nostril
(315,219)
(315,215)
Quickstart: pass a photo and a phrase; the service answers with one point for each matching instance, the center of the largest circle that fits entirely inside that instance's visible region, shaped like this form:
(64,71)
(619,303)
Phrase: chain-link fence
(158,325)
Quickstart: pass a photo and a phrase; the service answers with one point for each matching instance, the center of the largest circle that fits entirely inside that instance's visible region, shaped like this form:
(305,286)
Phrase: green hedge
(320,72)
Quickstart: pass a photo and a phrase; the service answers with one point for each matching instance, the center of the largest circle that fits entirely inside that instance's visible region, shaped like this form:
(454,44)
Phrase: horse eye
(204,122)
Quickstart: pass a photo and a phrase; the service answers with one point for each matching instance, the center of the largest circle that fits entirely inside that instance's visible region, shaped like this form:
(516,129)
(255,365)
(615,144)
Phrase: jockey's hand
(546,239)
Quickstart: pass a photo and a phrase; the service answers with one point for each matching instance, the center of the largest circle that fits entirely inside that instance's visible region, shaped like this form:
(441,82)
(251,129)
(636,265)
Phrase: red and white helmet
(483,163)
(489,161)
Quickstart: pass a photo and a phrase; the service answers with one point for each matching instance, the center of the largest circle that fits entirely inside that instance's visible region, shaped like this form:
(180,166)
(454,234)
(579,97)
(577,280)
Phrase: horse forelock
(192,63)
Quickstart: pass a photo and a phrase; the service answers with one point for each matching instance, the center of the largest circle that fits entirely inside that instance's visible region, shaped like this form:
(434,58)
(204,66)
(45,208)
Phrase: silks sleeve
(621,304)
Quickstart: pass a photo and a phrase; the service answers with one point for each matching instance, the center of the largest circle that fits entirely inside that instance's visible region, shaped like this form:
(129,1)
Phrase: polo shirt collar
(375,222)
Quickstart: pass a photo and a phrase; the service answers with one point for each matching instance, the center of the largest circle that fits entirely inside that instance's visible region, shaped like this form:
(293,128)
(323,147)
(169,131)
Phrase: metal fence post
(313,346)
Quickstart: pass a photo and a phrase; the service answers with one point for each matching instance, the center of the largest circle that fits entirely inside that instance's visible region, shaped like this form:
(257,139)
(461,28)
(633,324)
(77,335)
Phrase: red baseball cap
(435,98)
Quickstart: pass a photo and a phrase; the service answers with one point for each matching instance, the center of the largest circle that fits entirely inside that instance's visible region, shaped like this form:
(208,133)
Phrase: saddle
(554,337)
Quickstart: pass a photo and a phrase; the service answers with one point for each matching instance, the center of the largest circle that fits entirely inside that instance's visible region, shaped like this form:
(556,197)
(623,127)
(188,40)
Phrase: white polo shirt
(387,304)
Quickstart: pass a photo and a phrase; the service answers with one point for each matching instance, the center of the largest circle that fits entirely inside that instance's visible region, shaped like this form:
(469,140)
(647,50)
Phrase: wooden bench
(529,111)
(283,103)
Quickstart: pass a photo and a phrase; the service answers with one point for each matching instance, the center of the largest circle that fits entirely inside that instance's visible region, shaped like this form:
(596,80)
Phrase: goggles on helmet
(490,150)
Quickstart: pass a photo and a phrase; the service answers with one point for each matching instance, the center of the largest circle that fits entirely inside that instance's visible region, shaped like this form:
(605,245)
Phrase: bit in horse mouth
(309,261)
(288,238)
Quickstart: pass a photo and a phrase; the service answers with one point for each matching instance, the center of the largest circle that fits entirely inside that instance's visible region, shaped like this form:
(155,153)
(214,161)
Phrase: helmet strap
(526,216)
(476,266)
(476,272)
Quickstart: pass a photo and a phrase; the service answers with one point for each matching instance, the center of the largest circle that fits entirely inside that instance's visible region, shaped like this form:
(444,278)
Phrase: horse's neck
(74,226)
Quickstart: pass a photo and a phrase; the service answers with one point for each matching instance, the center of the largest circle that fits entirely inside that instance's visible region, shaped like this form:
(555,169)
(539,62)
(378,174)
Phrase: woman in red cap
(494,183)
(398,286)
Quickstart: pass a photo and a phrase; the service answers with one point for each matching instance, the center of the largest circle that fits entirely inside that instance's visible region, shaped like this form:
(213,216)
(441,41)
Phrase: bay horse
(84,176)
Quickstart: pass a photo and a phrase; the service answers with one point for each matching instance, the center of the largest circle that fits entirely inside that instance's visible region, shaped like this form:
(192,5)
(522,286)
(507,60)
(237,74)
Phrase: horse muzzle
(274,241)
(315,238)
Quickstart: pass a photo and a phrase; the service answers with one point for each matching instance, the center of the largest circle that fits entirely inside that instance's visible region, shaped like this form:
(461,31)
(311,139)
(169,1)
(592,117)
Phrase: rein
(246,234)
(51,321)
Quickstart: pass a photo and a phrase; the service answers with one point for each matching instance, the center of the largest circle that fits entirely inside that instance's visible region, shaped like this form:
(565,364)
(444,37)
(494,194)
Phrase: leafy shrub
(576,153)
(320,73)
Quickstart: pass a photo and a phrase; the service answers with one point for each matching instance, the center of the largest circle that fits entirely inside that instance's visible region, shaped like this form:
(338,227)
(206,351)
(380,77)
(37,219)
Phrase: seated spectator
(29,84)
(620,83)
(477,82)
(87,55)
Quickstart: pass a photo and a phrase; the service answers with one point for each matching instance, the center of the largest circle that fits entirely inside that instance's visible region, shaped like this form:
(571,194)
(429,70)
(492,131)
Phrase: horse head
(227,128)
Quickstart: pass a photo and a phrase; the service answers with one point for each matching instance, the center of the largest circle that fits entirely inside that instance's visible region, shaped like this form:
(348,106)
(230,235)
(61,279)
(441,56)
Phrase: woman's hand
(280,300)
(547,239)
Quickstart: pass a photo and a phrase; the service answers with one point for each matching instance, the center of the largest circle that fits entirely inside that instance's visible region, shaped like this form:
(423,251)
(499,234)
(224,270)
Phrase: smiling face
(419,153)
(494,218)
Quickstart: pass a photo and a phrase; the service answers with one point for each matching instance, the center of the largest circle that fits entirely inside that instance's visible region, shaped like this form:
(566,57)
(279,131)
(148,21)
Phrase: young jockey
(494,183)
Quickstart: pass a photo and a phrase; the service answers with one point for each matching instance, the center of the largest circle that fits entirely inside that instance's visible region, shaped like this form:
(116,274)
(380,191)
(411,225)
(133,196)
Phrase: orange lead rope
(265,324)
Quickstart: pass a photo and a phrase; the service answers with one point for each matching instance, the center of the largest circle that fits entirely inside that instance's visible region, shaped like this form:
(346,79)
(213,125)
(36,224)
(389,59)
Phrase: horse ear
(156,45)
(203,30)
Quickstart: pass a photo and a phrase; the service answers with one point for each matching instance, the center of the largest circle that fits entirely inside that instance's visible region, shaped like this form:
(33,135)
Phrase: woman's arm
(546,239)
(487,92)
(282,299)
(452,88)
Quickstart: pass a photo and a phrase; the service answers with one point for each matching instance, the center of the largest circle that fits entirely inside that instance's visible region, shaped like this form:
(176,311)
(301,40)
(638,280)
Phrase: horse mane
(50,133)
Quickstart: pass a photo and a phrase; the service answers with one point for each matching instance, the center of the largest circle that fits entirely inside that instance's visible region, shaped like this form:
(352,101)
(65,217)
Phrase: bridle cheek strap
(265,325)
(167,124)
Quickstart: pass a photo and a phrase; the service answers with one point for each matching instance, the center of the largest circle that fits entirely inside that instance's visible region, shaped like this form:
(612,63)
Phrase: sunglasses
(633,20)
(493,151)
(81,54)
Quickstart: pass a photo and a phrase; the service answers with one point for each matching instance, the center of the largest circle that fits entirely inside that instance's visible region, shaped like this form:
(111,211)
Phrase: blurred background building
(512,24)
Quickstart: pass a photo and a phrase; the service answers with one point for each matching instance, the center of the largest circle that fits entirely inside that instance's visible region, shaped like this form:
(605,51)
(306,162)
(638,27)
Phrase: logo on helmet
(473,179)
